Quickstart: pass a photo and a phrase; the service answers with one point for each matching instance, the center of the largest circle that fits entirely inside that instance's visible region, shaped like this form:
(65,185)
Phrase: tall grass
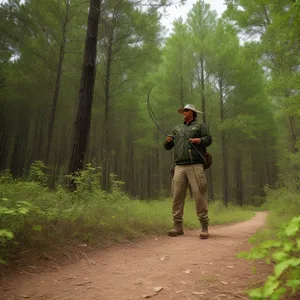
(283,205)
(39,217)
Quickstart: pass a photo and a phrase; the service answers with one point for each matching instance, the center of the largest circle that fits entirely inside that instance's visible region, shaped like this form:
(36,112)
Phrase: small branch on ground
(23,271)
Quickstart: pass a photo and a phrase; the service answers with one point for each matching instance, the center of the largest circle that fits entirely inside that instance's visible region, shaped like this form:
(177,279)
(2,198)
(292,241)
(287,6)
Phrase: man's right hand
(169,139)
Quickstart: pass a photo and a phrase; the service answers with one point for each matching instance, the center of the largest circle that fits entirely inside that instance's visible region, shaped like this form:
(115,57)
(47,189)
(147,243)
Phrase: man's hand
(195,140)
(169,139)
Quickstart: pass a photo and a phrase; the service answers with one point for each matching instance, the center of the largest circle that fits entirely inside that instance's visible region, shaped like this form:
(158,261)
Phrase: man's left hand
(195,140)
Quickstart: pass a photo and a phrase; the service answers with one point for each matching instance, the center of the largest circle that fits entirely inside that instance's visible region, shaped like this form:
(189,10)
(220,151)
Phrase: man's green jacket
(181,144)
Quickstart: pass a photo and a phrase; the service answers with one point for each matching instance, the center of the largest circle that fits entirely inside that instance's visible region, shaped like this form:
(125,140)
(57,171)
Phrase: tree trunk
(105,146)
(57,82)
(20,145)
(203,88)
(293,134)
(86,91)
(203,101)
(255,180)
(223,146)
(3,140)
(239,179)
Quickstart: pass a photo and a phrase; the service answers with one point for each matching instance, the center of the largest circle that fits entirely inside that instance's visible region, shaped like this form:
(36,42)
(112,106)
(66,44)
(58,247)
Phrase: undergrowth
(32,216)
(279,245)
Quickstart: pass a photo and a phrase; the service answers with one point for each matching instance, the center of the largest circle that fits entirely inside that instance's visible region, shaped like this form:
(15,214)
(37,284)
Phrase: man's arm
(169,141)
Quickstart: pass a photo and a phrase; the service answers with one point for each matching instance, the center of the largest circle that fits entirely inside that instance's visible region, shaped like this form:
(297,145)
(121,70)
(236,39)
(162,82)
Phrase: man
(189,140)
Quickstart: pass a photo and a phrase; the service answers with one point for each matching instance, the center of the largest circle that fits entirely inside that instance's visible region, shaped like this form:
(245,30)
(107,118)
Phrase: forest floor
(161,267)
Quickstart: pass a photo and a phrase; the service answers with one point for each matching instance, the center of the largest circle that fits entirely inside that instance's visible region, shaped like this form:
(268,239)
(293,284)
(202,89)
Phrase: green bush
(284,252)
(279,245)
(13,219)
(256,201)
(41,218)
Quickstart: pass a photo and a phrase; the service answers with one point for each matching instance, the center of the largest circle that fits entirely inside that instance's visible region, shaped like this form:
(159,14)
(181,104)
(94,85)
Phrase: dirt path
(184,267)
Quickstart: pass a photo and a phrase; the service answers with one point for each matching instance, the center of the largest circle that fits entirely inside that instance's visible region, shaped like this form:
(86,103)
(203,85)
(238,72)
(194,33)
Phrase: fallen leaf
(187,271)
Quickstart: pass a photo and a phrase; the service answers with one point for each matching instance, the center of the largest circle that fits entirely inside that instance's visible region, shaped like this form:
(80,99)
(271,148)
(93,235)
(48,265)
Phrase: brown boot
(176,230)
(204,233)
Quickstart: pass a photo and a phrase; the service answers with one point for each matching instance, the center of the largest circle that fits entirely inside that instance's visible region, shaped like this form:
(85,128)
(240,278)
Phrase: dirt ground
(162,267)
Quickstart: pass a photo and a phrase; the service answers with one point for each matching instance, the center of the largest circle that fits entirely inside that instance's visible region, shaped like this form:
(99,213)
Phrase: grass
(40,218)
(283,205)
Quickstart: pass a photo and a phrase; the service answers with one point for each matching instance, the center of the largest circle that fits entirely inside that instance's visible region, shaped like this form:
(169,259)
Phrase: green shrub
(12,221)
(284,252)
(41,218)
(280,245)
(256,201)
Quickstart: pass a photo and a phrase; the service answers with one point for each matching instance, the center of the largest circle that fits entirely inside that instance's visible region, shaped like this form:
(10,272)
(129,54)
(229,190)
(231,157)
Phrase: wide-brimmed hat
(189,106)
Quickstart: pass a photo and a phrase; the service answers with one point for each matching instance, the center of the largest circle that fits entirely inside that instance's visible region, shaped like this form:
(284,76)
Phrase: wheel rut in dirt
(161,267)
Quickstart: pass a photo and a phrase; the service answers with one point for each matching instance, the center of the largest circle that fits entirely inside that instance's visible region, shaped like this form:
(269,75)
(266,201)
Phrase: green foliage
(283,204)
(256,201)
(6,177)
(37,173)
(86,181)
(116,185)
(44,218)
(285,254)
(12,217)
(218,214)
(280,246)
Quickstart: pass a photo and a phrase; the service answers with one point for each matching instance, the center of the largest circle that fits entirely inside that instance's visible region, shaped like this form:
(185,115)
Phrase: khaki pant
(193,175)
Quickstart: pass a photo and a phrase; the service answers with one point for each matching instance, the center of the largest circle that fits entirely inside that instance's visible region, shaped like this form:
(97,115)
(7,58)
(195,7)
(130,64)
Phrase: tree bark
(105,146)
(293,134)
(19,153)
(3,140)
(203,101)
(86,91)
(239,179)
(57,81)
(223,145)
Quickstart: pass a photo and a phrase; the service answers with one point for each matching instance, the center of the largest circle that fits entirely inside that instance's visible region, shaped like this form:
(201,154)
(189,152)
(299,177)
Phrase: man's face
(188,114)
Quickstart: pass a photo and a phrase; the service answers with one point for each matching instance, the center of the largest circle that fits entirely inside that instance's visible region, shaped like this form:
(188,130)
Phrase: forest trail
(181,268)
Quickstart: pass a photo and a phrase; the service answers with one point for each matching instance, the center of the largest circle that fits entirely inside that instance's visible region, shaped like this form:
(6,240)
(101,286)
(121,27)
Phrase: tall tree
(62,45)
(276,24)
(222,65)
(86,91)
(202,22)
